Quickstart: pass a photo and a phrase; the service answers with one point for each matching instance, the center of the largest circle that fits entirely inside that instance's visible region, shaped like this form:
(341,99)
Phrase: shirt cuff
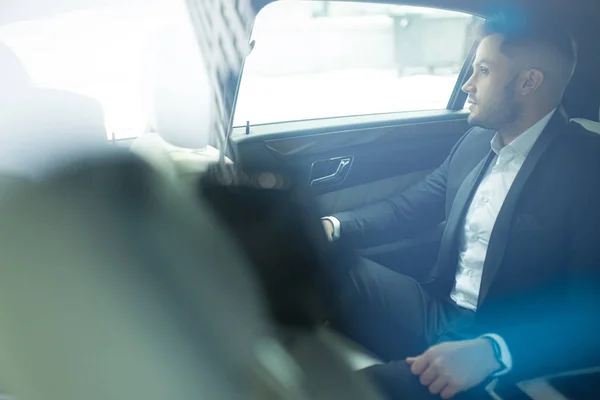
(505,355)
(337,227)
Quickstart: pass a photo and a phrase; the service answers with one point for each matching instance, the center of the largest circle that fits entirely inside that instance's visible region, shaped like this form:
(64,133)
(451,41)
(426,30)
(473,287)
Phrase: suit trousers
(391,315)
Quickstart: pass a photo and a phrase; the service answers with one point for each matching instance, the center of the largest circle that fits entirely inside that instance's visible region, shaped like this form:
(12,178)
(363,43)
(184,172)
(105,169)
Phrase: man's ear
(533,81)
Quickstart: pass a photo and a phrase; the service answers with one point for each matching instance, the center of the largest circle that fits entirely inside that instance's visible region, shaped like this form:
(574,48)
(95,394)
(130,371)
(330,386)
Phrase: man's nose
(468,86)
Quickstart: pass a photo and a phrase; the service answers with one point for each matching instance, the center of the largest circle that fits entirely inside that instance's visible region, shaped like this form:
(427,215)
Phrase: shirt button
(469,273)
(485,200)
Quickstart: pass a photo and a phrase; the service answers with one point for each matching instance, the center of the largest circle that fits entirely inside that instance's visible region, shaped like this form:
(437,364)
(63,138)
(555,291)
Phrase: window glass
(324,59)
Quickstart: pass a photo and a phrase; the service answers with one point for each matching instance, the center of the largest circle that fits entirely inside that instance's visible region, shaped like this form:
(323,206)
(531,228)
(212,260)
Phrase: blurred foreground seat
(119,284)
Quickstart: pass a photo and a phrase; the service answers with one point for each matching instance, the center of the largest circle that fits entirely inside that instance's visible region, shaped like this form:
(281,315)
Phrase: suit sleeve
(419,207)
(565,335)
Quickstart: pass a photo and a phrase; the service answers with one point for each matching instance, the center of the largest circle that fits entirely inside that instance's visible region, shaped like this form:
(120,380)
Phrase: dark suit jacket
(539,287)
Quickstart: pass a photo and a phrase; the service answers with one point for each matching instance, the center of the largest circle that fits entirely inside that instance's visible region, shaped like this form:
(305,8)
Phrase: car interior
(390,152)
(343,162)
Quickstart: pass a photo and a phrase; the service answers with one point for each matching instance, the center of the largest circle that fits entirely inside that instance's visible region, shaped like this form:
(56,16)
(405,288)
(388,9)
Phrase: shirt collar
(525,141)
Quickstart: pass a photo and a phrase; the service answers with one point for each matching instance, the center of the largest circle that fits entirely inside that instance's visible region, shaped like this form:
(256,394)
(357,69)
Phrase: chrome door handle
(337,176)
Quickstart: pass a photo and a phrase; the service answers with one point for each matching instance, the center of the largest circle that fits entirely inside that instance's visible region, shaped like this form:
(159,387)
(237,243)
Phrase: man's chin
(475,120)
(481,123)
(472,119)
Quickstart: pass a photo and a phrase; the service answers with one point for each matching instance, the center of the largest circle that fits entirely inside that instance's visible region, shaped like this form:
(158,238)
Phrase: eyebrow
(482,61)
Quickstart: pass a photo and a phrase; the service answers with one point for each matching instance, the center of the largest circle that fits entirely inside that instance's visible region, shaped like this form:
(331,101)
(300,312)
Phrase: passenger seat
(44,126)
(40,127)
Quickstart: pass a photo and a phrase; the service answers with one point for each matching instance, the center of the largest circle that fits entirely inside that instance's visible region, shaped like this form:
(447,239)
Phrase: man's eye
(484,70)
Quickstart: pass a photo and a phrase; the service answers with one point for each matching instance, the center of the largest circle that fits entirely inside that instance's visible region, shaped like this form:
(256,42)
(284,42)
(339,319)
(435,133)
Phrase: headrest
(44,127)
(13,75)
(39,126)
(180,92)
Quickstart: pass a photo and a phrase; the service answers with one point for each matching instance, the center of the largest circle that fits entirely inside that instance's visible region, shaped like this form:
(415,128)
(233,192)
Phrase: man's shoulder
(475,143)
(478,135)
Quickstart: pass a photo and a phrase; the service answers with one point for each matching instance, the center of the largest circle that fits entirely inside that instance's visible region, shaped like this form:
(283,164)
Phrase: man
(513,293)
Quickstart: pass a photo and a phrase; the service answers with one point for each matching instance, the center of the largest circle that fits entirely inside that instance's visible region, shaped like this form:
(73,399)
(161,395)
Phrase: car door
(356,102)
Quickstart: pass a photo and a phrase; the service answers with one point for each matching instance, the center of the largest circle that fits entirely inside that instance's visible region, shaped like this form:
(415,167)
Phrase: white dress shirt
(484,208)
(481,217)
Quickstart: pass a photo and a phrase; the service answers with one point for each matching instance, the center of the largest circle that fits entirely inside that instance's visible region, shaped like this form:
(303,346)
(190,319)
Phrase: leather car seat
(590,125)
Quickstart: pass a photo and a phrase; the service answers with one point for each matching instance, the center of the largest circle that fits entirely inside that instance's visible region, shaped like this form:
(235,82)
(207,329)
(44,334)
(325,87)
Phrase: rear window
(107,54)
(324,59)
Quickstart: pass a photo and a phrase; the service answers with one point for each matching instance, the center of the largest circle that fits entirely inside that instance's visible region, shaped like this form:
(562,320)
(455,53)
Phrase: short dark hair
(539,30)
(521,32)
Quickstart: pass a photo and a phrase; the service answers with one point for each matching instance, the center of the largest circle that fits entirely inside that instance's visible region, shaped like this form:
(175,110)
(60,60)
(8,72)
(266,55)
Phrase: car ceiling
(565,8)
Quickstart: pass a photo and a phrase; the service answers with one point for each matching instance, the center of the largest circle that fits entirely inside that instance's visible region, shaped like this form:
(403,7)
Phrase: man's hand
(453,367)
(328,226)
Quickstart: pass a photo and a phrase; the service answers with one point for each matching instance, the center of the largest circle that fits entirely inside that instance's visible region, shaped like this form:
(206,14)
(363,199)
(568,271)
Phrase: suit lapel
(456,215)
(501,230)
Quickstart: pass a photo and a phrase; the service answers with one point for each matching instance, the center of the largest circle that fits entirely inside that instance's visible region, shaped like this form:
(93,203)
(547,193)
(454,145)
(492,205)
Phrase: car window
(324,59)
(107,54)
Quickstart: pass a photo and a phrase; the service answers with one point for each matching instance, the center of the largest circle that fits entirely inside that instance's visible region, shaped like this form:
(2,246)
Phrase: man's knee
(369,278)
(363,284)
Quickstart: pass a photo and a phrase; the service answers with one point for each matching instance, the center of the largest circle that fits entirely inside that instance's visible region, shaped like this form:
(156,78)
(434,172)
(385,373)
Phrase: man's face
(492,87)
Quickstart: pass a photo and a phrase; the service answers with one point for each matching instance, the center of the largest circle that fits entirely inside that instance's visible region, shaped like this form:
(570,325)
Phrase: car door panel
(406,145)
(386,158)
(357,196)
